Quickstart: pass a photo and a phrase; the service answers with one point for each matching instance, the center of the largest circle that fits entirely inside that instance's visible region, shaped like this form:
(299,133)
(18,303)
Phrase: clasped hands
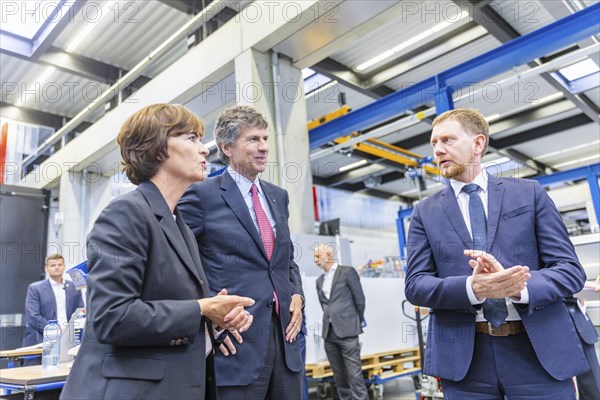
(292,330)
(227,312)
(492,280)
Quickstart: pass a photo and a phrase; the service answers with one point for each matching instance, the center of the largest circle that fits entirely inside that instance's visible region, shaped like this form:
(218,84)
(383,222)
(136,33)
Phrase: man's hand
(227,311)
(491,280)
(227,347)
(295,324)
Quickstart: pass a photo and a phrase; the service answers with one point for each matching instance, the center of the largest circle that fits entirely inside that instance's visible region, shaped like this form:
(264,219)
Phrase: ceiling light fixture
(407,43)
(319,90)
(546,99)
(568,149)
(353,165)
(88,27)
(39,81)
(579,160)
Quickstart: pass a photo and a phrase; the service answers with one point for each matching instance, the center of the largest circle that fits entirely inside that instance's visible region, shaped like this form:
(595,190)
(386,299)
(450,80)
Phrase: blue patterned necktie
(494,310)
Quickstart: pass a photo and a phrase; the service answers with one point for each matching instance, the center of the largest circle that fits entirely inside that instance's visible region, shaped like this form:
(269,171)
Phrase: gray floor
(397,389)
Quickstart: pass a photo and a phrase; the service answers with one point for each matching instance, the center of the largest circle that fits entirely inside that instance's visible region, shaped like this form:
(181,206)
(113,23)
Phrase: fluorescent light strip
(40,80)
(407,43)
(88,28)
(550,98)
(492,117)
(581,146)
(353,165)
(588,158)
(319,90)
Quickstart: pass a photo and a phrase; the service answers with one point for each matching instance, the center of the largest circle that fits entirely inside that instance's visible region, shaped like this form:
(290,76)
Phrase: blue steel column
(595,191)
(589,172)
(402,214)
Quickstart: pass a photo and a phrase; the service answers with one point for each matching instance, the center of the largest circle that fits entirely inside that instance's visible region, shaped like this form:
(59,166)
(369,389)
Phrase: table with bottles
(28,380)
(17,356)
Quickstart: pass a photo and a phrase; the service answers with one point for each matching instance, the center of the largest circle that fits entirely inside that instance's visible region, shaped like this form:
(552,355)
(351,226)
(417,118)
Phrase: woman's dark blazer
(144,336)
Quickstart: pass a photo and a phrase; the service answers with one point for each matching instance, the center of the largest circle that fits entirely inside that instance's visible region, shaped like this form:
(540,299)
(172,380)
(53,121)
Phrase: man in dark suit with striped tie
(241,226)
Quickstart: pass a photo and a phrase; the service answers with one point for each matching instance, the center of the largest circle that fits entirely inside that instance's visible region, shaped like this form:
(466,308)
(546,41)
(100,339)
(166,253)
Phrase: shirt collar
(56,284)
(332,270)
(481,180)
(243,183)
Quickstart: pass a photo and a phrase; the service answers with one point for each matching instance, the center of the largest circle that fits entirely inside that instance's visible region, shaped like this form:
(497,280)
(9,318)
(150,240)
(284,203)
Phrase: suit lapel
(336,278)
(320,293)
(192,246)
(235,201)
(50,294)
(166,221)
(495,196)
(450,206)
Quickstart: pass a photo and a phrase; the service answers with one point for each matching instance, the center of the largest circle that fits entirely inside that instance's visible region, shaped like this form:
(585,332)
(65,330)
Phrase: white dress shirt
(244,184)
(463,203)
(328,281)
(61,302)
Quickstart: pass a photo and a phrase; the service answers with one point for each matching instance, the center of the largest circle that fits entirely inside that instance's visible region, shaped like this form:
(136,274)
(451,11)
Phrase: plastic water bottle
(51,345)
(78,328)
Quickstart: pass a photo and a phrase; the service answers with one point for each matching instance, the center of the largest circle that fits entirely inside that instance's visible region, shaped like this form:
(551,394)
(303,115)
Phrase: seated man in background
(343,302)
(52,298)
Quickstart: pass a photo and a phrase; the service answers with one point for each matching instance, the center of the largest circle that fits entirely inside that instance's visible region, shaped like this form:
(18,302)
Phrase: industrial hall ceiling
(543,111)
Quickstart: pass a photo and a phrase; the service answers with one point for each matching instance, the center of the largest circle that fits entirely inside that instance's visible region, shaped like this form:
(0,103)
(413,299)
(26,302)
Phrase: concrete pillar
(254,85)
(82,198)
(68,219)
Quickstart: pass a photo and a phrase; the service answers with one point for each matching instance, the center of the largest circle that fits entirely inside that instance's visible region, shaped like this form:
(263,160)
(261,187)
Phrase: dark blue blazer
(144,335)
(524,228)
(40,307)
(234,258)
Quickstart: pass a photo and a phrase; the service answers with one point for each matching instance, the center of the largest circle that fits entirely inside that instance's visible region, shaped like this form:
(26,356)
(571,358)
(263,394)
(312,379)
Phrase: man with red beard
(492,259)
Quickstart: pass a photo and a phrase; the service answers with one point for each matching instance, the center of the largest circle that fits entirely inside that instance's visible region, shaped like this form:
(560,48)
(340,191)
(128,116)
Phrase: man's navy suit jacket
(40,307)
(234,258)
(524,228)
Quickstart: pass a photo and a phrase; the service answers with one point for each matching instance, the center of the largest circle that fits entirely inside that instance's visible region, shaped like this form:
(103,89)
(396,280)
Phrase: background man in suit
(52,298)
(343,303)
(241,226)
(507,331)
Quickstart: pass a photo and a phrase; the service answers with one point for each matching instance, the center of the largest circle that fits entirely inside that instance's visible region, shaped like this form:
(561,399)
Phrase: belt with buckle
(506,329)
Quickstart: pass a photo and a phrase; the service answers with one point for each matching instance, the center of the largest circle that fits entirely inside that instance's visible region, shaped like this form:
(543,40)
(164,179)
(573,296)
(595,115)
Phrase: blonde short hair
(471,120)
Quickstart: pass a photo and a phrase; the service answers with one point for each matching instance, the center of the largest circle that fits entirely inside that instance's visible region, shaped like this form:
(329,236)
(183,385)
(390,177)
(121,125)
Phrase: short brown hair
(52,257)
(230,123)
(144,135)
(471,121)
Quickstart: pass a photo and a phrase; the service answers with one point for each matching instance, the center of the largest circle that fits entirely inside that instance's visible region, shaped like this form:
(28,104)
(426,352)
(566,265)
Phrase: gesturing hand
(492,280)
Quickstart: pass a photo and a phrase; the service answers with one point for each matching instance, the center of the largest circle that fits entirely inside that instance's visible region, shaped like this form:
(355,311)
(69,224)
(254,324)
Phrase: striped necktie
(494,310)
(266,232)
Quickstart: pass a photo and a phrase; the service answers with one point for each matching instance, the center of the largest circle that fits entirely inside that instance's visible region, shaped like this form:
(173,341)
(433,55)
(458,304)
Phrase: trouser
(344,358)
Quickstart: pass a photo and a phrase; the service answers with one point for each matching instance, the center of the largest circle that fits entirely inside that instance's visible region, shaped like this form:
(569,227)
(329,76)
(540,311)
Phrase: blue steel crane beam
(519,51)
